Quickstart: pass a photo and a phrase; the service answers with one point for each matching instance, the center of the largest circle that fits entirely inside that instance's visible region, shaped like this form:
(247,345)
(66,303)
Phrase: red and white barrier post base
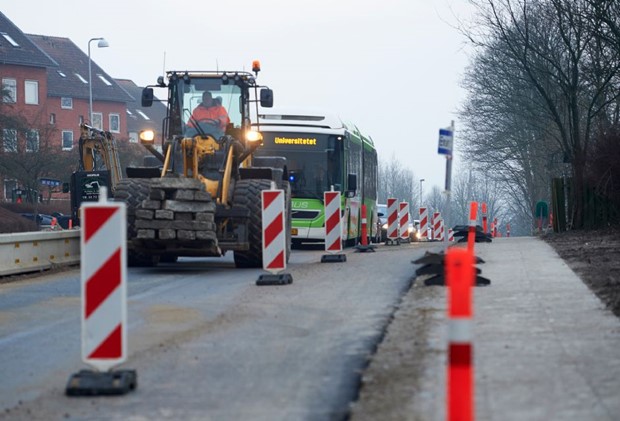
(393,223)
(403,219)
(333,230)
(424,224)
(274,238)
(104,301)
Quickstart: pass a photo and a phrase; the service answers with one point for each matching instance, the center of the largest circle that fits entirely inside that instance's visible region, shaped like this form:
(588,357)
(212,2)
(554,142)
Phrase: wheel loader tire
(133,192)
(248,195)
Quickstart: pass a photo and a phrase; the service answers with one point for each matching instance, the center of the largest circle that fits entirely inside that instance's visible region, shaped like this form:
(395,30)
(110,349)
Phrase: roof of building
(138,117)
(70,77)
(17,49)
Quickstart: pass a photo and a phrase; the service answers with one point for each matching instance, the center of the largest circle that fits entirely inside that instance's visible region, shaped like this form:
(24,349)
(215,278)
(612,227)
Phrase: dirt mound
(11,220)
(595,256)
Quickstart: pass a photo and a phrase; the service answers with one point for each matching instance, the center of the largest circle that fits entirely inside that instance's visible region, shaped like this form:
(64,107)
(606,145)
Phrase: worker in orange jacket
(210,112)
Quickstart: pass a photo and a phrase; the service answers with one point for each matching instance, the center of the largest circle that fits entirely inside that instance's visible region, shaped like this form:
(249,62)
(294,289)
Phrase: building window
(115,123)
(97,121)
(79,76)
(9,39)
(9,187)
(32,140)
(52,118)
(66,103)
(67,140)
(103,79)
(31,88)
(9,87)
(9,140)
(133,137)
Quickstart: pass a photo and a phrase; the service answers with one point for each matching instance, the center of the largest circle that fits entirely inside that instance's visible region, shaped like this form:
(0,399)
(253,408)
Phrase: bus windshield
(313,161)
(310,174)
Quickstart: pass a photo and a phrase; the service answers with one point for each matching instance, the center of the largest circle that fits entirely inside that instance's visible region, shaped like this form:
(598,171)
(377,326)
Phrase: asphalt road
(207,343)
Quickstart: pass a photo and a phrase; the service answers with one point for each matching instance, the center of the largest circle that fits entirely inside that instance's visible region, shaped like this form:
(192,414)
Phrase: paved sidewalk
(545,348)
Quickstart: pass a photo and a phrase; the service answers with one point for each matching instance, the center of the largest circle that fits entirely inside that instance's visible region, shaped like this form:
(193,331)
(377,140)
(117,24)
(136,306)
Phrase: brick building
(45,83)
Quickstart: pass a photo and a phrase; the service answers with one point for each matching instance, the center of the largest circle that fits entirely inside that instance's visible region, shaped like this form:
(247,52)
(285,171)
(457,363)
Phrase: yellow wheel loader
(205,197)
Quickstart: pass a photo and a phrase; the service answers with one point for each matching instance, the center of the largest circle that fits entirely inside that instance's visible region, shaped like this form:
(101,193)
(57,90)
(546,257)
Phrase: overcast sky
(391,67)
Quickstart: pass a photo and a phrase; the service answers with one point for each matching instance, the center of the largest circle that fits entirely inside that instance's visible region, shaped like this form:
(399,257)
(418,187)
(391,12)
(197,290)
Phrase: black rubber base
(333,258)
(363,249)
(94,383)
(440,280)
(271,279)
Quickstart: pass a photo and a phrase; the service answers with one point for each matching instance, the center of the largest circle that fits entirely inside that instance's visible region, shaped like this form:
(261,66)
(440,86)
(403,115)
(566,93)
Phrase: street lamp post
(421,198)
(101,44)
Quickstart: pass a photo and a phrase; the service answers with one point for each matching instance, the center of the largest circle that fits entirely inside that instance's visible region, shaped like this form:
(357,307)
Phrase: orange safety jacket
(216,112)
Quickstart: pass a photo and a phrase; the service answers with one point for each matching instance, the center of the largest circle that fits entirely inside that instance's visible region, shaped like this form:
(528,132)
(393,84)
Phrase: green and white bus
(323,152)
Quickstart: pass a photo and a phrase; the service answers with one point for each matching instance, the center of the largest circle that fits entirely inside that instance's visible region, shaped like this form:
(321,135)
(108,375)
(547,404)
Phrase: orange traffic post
(364,239)
(364,246)
(484,218)
(471,236)
(459,267)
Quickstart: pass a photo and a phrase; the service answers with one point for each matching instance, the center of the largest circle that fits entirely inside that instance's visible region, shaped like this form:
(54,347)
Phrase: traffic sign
(50,182)
(446,139)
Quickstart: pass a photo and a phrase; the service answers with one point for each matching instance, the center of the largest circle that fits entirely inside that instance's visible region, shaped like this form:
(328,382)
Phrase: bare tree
(555,68)
(397,182)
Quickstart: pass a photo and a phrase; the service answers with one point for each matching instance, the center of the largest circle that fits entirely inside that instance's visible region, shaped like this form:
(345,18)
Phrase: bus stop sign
(446,138)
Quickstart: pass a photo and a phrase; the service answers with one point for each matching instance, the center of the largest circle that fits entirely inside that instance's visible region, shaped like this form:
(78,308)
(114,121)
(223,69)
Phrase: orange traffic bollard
(471,236)
(364,239)
(460,385)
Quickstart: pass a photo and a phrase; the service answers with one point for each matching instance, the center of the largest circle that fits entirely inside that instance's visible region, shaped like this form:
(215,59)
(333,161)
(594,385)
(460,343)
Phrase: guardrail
(33,251)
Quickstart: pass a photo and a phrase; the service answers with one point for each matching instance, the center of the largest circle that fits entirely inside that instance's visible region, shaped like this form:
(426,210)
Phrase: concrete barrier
(33,251)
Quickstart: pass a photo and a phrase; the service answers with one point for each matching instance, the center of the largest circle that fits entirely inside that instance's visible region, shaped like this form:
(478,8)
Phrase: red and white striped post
(424,223)
(441,229)
(333,230)
(403,218)
(104,288)
(508,229)
(495,227)
(392,231)
(460,384)
(436,225)
(450,234)
(471,235)
(103,314)
(274,237)
(274,245)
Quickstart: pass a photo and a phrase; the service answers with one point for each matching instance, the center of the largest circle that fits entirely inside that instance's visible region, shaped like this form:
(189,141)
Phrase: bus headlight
(253,136)
(147,137)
